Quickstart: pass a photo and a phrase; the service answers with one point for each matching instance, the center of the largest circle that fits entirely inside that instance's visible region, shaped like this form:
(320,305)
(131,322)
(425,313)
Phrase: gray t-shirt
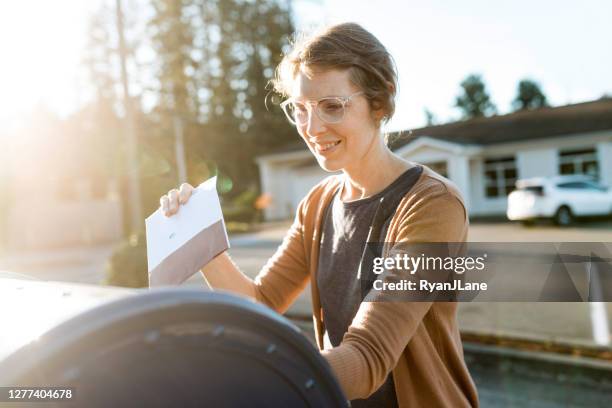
(345,231)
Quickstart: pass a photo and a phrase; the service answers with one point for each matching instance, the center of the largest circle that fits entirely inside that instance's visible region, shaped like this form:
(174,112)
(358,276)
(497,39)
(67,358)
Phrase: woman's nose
(315,125)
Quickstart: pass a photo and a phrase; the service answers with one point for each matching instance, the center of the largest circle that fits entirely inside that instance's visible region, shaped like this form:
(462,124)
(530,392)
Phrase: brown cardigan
(419,341)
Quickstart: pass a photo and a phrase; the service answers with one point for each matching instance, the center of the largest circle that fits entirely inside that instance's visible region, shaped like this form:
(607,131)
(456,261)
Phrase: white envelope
(180,245)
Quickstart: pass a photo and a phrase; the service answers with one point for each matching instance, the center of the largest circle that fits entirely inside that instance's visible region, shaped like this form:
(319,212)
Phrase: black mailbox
(165,347)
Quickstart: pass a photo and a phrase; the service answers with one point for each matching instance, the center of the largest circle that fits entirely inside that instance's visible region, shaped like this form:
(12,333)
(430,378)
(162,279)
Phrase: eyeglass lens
(328,110)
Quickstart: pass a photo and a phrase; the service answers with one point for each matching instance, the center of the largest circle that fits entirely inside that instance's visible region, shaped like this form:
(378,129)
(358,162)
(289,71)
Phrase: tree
(474,100)
(226,55)
(529,96)
(97,124)
(211,63)
(262,127)
(430,118)
(172,38)
(100,124)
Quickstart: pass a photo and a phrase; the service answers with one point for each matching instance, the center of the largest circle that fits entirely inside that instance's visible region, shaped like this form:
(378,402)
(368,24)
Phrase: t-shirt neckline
(377,196)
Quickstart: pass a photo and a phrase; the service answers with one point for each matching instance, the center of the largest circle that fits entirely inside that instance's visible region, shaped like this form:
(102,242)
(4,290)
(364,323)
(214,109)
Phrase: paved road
(571,323)
(565,322)
(586,231)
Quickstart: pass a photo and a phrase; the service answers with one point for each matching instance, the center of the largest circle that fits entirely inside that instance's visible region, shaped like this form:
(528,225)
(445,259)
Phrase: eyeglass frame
(344,100)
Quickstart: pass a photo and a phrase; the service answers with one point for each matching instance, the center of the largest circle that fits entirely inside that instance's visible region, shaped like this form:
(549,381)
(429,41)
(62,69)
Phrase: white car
(560,198)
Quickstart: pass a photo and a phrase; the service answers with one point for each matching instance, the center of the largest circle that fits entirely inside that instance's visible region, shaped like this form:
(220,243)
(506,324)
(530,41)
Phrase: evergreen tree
(430,118)
(172,39)
(474,100)
(99,123)
(233,48)
(529,96)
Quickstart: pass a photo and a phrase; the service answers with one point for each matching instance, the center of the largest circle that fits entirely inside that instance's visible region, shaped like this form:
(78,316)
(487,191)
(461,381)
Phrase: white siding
(482,205)
(537,163)
(427,154)
(459,173)
(64,224)
(287,185)
(604,156)
(302,181)
(276,181)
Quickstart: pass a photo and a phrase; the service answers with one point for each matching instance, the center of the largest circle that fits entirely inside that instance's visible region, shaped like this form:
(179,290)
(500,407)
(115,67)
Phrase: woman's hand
(220,272)
(171,202)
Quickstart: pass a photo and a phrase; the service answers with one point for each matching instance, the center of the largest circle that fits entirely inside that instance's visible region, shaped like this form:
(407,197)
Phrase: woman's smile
(326,148)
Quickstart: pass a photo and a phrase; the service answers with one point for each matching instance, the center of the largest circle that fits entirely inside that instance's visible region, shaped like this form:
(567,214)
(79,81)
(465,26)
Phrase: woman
(341,85)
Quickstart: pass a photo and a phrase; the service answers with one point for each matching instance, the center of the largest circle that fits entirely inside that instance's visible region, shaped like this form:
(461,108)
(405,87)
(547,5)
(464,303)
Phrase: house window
(439,167)
(500,176)
(579,162)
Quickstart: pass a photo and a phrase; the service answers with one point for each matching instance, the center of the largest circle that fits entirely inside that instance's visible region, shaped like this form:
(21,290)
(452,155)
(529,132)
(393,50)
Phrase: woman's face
(337,146)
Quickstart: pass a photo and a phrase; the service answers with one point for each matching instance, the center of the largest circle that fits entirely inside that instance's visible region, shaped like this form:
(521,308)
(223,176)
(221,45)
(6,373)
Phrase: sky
(40,51)
(566,46)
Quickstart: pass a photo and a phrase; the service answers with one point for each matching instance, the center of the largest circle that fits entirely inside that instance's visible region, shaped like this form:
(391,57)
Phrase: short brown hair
(345,46)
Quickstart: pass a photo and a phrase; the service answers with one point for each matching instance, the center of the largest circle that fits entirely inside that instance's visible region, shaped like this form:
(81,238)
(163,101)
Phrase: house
(483,157)
(51,198)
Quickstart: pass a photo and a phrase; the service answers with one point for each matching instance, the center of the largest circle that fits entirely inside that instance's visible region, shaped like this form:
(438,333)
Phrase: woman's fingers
(164,204)
(185,192)
(173,197)
(171,202)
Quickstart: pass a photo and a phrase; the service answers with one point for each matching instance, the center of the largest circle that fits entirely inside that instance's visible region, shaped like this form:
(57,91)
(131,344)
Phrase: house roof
(523,125)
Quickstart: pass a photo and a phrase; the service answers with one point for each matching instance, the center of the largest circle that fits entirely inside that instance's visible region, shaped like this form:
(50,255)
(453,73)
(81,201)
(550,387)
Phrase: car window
(579,185)
(597,186)
(582,185)
(533,189)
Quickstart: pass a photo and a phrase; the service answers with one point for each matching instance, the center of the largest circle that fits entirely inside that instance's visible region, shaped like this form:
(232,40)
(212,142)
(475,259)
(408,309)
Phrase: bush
(127,265)
(242,208)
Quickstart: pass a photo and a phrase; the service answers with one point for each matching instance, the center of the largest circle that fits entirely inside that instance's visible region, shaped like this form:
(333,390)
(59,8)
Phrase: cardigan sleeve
(381,330)
(286,273)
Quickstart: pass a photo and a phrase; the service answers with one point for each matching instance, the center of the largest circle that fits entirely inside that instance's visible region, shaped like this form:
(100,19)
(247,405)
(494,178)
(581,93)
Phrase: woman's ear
(378,116)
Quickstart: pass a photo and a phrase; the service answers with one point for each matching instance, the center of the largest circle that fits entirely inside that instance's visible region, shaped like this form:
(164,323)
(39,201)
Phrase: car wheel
(564,217)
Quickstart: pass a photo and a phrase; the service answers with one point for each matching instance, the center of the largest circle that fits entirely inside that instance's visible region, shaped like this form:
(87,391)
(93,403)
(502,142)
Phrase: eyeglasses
(330,109)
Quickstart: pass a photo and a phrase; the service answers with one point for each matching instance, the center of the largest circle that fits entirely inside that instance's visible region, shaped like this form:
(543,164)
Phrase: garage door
(302,180)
